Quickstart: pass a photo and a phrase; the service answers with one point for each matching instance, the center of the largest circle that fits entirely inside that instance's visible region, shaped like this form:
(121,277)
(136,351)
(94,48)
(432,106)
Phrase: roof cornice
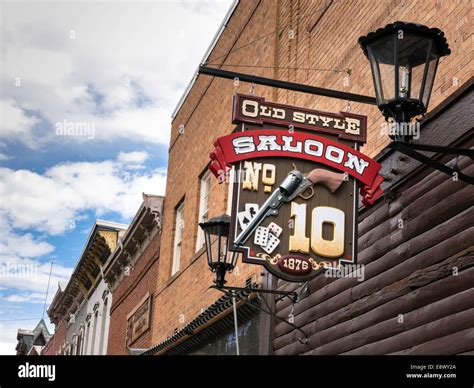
(147,217)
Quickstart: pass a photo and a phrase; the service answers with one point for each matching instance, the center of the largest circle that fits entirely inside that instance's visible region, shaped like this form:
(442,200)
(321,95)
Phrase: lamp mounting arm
(292,295)
(410,149)
(206,70)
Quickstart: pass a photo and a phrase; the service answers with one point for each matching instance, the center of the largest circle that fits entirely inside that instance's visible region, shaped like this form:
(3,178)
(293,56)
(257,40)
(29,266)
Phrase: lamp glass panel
(413,51)
(430,76)
(381,57)
(207,236)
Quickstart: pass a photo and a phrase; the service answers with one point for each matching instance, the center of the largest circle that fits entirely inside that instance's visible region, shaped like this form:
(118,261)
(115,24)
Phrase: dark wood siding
(418,293)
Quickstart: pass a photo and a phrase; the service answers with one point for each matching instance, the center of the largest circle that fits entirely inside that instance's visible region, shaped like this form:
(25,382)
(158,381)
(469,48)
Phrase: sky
(86,98)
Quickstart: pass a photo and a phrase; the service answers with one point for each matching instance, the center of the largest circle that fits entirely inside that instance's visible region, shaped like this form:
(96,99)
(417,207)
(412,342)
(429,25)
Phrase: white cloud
(3,157)
(21,267)
(29,297)
(23,245)
(124,70)
(149,124)
(25,279)
(15,124)
(30,276)
(133,157)
(8,333)
(48,202)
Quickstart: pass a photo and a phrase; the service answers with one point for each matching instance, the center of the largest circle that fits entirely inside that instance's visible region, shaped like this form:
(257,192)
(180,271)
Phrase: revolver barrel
(280,195)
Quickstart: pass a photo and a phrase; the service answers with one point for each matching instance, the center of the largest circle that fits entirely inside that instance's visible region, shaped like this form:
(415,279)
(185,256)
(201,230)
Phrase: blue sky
(87,93)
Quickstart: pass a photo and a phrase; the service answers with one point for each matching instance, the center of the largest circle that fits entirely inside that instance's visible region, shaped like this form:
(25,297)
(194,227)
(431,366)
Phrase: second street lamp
(220,260)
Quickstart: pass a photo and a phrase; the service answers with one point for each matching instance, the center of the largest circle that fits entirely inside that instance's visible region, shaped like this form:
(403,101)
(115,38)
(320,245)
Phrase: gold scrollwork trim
(271,260)
(322,264)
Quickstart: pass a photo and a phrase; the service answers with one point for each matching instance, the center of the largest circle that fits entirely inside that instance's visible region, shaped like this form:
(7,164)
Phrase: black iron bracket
(292,295)
(206,70)
(283,294)
(410,149)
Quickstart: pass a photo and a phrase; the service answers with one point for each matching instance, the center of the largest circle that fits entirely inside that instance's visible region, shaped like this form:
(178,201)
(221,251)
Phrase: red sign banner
(254,144)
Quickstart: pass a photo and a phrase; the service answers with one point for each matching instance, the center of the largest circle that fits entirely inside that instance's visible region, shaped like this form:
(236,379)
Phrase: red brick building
(53,347)
(131,272)
(57,341)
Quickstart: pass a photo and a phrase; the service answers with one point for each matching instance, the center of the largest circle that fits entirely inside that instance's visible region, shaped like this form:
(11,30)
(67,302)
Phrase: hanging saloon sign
(295,197)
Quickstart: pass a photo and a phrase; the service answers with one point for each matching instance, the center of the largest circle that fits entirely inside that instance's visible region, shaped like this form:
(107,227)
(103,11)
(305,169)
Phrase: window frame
(203,215)
(178,232)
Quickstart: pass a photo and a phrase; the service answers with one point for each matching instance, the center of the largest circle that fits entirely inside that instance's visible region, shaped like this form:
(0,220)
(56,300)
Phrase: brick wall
(325,37)
(180,298)
(128,294)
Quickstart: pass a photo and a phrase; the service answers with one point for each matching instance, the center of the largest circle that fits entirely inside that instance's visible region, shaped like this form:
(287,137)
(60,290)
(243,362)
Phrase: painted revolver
(294,185)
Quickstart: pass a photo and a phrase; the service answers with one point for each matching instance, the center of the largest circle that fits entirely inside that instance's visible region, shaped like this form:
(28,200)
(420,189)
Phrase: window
(94,333)
(73,345)
(80,342)
(103,328)
(86,342)
(178,238)
(220,337)
(203,207)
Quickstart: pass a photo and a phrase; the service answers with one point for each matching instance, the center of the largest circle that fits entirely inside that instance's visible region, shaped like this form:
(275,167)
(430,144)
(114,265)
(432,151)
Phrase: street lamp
(216,230)
(225,261)
(404,58)
(221,260)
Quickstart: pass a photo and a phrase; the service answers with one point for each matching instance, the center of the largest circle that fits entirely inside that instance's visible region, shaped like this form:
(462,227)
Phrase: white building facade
(84,304)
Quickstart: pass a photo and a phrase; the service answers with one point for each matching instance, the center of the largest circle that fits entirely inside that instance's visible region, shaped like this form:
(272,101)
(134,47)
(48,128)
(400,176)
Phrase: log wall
(417,296)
